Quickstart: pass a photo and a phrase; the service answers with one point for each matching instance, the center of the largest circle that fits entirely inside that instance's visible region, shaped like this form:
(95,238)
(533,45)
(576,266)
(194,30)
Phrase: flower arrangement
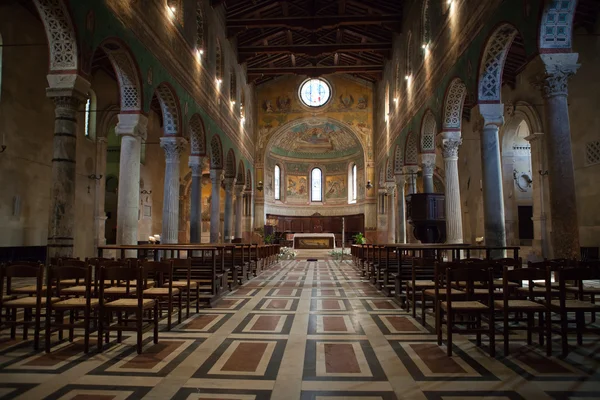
(287,253)
(338,255)
(359,238)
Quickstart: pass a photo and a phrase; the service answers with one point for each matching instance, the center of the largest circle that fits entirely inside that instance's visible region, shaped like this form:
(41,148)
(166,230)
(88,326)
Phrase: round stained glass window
(315,92)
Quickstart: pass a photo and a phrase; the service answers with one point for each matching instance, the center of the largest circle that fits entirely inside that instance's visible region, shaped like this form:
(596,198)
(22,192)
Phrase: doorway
(525,214)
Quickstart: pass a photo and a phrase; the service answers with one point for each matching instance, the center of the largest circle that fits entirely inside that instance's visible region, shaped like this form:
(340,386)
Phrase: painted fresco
(316,140)
(296,188)
(336,187)
(351,103)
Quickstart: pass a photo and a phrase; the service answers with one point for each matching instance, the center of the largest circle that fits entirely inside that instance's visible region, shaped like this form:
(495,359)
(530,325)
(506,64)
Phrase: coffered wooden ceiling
(312,37)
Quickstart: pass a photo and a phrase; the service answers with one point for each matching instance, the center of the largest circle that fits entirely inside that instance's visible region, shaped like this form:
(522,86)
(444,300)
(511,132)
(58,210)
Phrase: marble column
(228,216)
(239,210)
(132,129)
(428,166)
(561,177)
(410,172)
(196,163)
(61,225)
(401,214)
(451,141)
(173,147)
(540,240)
(215,204)
(391,188)
(493,197)
(100,218)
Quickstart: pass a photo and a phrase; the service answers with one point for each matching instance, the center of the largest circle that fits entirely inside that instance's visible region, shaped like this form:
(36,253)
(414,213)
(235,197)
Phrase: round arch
(398,160)
(241,176)
(428,132)
(454,101)
(230,167)
(216,153)
(411,150)
(197,135)
(171,111)
(556,26)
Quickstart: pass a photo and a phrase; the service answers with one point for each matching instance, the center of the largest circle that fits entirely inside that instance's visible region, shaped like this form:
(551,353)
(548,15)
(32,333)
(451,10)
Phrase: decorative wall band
(65,134)
(60,238)
(60,245)
(66,119)
(63,160)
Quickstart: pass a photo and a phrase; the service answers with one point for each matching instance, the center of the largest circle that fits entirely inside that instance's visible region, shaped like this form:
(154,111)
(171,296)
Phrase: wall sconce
(259,186)
(543,173)
(146,192)
(95,177)
(369,185)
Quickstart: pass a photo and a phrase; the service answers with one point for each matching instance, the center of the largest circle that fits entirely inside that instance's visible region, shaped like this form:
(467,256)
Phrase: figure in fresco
(268,106)
(284,103)
(346,101)
(362,102)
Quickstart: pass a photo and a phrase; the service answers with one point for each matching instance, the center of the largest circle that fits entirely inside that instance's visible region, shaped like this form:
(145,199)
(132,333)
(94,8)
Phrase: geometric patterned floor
(301,330)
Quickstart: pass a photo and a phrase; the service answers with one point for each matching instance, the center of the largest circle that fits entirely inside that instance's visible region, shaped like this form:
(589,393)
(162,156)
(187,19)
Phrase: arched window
(316,193)
(90,115)
(199,28)
(425,26)
(354,182)
(277,183)
(232,86)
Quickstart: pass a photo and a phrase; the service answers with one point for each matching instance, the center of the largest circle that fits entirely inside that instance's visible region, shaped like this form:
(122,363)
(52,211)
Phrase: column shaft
(173,146)
(100,226)
(215,205)
(454,231)
(128,203)
(62,211)
(401,216)
(239,211)
(228,216)
(493,198)
(195,164)
(428,166)
(392,215)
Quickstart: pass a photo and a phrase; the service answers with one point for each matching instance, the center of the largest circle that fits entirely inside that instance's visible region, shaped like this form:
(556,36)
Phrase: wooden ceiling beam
(314,49)
(317,71)
(313,23)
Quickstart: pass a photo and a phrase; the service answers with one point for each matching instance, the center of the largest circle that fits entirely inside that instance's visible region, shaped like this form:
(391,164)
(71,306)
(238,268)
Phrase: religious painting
(297,187)
(336,187)
(314,243)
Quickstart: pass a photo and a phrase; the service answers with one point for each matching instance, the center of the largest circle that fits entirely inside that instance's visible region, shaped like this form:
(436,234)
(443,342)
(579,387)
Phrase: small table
(315,241)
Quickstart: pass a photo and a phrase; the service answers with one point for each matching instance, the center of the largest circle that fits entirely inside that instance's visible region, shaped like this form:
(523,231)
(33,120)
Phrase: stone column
(561,177)
(196,164)
(540,240)
(493,197)
(228,217)
(451,141)
(132,129)
(173,146)
(215,204)
(410,172)
(62,198)
(100,228)
(428,166)
(401,215)
(391,187)
(239,210)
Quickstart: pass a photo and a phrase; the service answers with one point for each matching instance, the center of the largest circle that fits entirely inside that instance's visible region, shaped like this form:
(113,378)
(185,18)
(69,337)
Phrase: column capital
(239,189)
(197,164)
(410,169)
(216,175)
(492,114)
(67,85)
(173,147)
(400,180)
(135,125)
(450,148)
(229,184)
(428,163)
(390,188)
(534,137)
(558,68)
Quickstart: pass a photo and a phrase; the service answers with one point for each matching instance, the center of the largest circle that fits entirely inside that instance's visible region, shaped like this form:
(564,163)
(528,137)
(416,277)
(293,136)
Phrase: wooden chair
(29,290)
(422,273)
(32,305)
(163,292)
(582,290)
(136,306)
(563,307)
(467,306)
(85,303)
(513,302)
(430,298)
(182,280)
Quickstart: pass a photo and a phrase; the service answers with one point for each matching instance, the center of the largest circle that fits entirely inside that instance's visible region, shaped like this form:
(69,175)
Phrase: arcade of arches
(198,121)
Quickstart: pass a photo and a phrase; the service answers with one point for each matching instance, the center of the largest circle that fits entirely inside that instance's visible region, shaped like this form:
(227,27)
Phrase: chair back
(160,271)
(21,271)
(470,274)
(78,271)
(120,272)
(182,268)
(423,269)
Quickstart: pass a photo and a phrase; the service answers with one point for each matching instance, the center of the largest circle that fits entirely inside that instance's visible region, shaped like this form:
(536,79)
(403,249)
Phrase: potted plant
(359,238)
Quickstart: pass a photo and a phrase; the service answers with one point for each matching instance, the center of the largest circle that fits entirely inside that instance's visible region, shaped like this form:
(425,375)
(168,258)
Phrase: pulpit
(426,213)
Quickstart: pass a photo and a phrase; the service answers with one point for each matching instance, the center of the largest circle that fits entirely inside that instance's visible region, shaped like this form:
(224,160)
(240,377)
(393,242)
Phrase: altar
(314,241)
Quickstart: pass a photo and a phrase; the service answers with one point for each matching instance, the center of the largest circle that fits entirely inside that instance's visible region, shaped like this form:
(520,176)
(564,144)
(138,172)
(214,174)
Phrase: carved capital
(132,125)
(68,85)
(492,114)
(196,164)
(553,81)
(239,189)
(428,163)
(229,184)
(450,148)
(391,188)
(173,147)
(216,175)
(400,180)
(66,106)
(410,169)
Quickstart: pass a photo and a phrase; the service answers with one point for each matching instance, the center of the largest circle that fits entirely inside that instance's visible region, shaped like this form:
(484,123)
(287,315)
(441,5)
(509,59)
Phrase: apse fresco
(336,187)
(316,139)
(296,188)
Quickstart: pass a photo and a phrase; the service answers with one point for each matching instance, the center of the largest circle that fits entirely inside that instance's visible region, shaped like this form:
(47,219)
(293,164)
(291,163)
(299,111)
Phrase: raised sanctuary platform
(314,241)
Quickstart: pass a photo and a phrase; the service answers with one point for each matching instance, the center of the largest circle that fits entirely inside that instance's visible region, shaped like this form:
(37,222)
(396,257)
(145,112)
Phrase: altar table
(314,241)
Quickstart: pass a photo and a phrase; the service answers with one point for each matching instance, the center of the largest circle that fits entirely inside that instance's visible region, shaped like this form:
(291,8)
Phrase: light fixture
(369,185)
(173,9)
(259,186)
(233,102)
(199,53)
(406,77)
(395,99)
